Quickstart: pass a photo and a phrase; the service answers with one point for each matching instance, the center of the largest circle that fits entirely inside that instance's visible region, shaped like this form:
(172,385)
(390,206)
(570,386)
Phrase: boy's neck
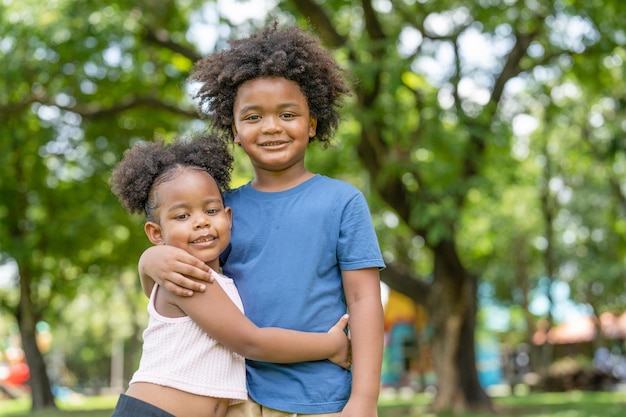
(271,181)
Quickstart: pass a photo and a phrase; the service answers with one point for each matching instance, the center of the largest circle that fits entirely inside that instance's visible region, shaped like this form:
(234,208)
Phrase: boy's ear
(153,231)
(312,126)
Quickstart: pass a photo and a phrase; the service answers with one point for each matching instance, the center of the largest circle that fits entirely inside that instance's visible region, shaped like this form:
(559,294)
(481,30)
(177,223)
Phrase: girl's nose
(201,221)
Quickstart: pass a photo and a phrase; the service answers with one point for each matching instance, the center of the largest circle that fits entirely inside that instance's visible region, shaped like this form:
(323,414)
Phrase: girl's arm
(218,316)
(172,268)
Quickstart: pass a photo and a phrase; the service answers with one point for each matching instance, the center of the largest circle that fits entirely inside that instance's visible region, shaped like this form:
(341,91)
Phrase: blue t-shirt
(287,252)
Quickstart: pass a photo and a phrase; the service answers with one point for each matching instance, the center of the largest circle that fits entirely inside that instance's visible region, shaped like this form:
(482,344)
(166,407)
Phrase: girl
(194,347)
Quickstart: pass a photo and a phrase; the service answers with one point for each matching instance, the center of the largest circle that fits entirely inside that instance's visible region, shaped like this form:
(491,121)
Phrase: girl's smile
(192,216)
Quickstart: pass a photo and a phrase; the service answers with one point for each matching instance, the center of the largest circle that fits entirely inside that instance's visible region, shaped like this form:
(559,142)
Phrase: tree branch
(400,279)
(320,20)
(94,111)
(372,25)
(512,66)
(161,37)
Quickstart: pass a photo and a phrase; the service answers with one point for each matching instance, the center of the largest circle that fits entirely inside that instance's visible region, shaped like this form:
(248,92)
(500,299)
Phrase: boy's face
(272,123)
(192,216)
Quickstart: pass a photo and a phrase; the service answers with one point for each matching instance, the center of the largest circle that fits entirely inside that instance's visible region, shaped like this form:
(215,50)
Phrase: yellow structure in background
(407,356)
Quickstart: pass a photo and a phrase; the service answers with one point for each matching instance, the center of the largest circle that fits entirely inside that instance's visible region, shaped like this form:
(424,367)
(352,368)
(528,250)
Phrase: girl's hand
(343,355)
(174,269)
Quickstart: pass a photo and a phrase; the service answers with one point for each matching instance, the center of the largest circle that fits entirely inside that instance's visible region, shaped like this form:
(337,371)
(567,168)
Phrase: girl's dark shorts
(128,406)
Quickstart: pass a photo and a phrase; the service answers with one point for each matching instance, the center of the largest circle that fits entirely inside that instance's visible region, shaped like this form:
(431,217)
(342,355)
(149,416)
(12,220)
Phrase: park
(488,141)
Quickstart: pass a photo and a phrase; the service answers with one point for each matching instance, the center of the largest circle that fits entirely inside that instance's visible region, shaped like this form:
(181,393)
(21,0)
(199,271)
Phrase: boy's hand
(174,269)
(356,408)
(343,355)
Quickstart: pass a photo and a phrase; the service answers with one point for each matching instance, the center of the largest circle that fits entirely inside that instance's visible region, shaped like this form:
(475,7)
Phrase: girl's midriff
(178,403)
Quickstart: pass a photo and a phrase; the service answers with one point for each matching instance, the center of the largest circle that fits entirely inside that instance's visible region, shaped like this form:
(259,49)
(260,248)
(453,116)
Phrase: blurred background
(489,139)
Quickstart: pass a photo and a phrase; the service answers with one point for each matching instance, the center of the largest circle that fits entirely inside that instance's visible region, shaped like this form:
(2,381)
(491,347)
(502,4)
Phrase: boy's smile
(273,124)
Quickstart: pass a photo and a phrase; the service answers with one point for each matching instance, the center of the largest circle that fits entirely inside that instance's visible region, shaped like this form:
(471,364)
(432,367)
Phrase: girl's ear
(235,135)
(153,231)
(229,214)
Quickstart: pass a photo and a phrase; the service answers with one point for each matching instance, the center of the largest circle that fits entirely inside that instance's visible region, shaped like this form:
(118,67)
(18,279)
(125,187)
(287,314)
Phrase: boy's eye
(288,115)
(181,216)
(212,212)
(253,117)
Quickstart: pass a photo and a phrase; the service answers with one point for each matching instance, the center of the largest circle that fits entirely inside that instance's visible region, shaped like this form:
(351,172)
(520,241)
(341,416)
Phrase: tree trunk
(475,395)
(452,310)
(133,349)
(41,394)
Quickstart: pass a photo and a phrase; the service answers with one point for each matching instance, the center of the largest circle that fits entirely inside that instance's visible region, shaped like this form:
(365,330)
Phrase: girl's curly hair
(289,53)
(148,164)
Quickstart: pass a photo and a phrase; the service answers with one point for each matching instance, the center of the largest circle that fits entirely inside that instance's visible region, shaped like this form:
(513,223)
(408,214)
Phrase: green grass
(101,406)
(572,404)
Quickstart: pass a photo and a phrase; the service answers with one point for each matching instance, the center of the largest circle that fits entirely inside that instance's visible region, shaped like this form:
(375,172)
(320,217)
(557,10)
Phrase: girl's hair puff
(289,53)
(148,164)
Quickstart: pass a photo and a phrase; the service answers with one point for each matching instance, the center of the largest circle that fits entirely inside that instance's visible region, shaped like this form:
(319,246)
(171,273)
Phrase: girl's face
(272,123)
(191,216)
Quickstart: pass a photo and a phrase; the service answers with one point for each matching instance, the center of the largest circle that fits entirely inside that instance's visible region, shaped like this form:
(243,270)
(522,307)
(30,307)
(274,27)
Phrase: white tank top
(179,354)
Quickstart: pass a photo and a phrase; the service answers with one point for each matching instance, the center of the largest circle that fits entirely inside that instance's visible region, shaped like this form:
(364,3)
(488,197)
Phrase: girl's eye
(288,116)
(253,117)
(212,212)
(181,216)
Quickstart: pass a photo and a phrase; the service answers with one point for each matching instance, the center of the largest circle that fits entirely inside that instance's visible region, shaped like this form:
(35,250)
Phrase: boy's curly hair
(289,53)
(148,164)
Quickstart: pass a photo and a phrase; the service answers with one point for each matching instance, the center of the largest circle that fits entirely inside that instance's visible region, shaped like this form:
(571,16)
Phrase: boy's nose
(271,124)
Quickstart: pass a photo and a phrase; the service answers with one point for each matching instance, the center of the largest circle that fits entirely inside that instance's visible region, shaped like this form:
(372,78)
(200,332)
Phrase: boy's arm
(362,290)
(172,268)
